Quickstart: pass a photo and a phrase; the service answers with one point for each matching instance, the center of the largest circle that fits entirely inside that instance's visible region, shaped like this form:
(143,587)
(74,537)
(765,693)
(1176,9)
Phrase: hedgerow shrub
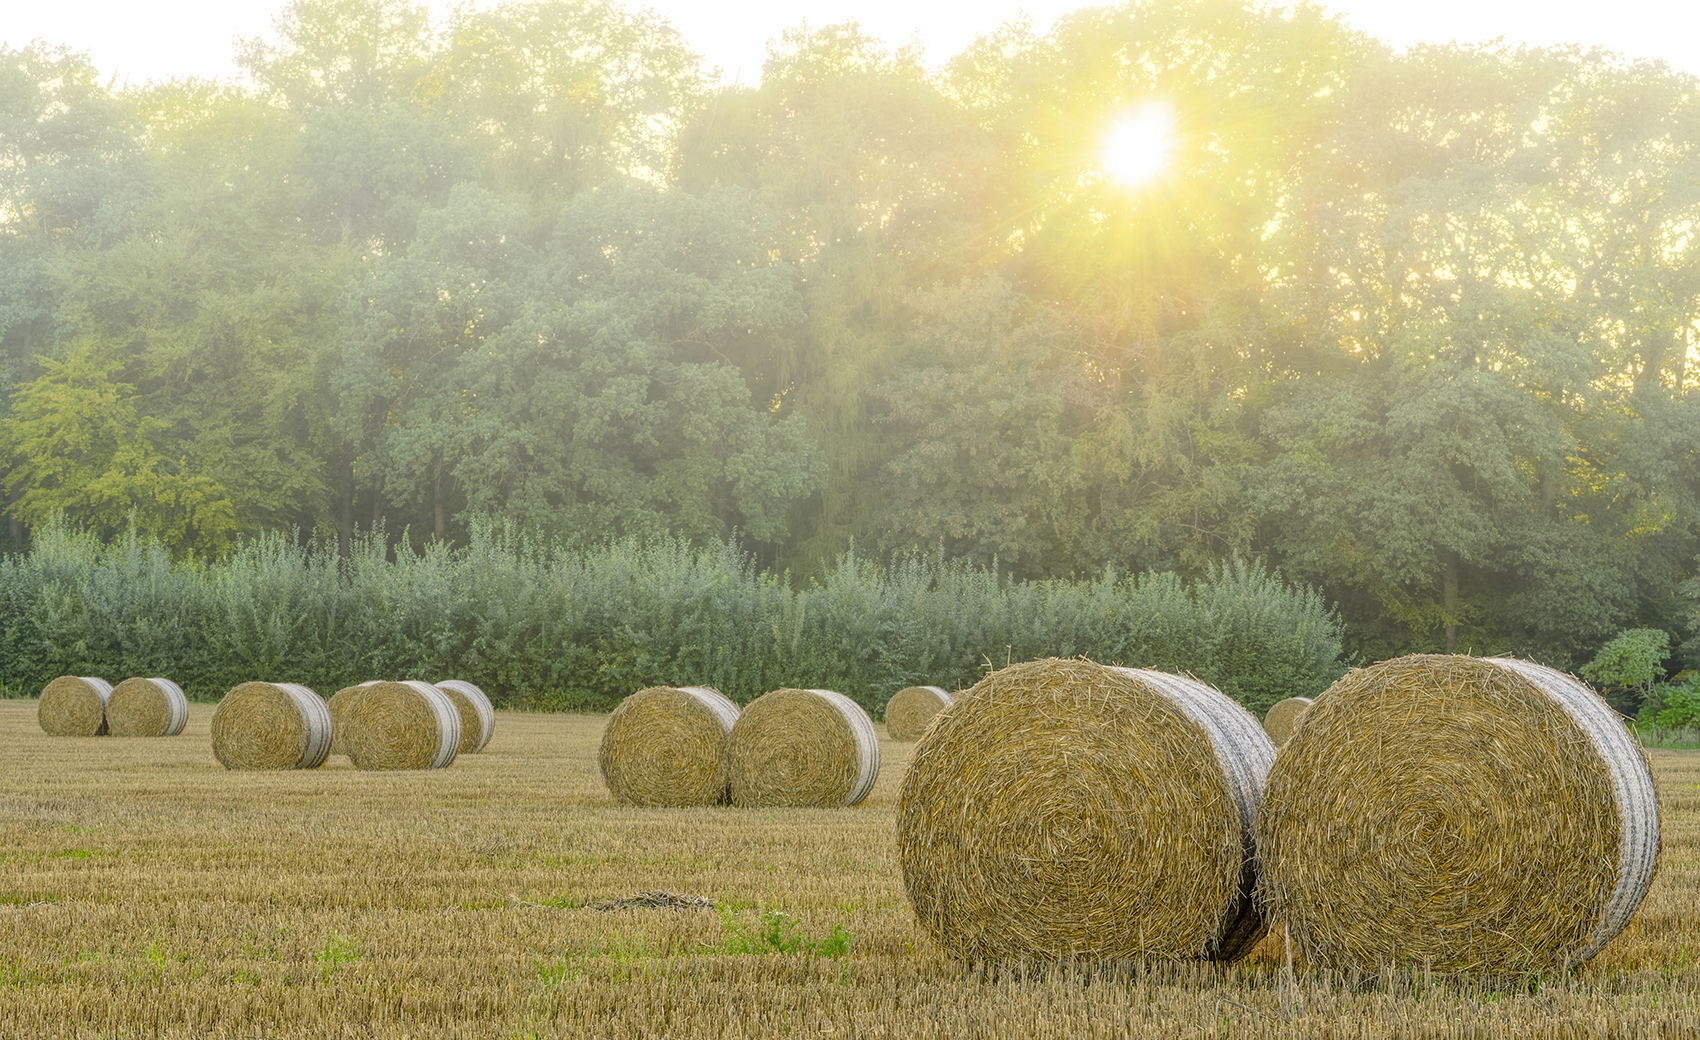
(546,628)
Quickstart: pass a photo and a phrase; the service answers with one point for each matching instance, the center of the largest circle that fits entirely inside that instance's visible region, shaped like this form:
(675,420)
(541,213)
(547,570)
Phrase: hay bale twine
(1283,717)
(74,706)
(802,748)
(1062,810)
(401,725)
(666,745)
(261,725)
(911,708)
(146,708)
(477,714)
(1458,813)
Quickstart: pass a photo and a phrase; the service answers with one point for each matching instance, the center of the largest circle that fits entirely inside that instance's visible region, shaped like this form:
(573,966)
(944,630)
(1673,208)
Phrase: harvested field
(146,891)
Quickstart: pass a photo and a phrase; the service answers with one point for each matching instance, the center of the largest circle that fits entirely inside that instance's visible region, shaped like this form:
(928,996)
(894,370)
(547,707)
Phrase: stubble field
(147,892)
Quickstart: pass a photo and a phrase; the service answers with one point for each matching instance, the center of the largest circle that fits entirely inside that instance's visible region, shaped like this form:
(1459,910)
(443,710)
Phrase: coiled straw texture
(666,745)
(1463,814)
(1283,718)
(260,725)
(400,725)
(74,706)
(1063,810)
(803,748)
(911,708)
(146,708)
(477,714)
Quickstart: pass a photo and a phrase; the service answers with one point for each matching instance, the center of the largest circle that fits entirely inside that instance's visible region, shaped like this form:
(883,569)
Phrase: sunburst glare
(1136,148)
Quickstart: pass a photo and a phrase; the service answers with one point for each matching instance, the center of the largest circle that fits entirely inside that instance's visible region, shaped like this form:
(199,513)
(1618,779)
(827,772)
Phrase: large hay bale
(338,705)
(666,745)
(1457,813)
(401,725)
(911,708)
(74,706)
(261,725)
(146,708)
(1283,717)
(477,714)
(803,747)
(1062,810)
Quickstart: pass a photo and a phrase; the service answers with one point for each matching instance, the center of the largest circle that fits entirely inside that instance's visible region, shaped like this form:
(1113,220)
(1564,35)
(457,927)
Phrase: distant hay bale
(1458,813)
(666,745)
(477,714)
(401,725)
(911,708)
(146,708)
(802,748)
(1280,720)
(261,725)
(1062,810)
(74,706)
(338,705)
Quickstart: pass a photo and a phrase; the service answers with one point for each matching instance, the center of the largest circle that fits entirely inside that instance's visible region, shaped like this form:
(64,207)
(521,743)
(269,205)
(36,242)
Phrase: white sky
(137,41)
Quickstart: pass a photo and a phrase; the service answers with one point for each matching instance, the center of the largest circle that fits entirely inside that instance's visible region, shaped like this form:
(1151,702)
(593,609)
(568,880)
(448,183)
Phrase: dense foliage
(584,628)
(1417,328)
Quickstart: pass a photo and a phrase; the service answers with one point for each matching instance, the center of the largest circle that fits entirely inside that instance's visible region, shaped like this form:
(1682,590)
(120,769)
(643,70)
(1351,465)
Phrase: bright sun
(1137,147)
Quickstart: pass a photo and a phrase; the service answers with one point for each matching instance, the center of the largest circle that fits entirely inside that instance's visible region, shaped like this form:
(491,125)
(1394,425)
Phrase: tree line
(1414,327)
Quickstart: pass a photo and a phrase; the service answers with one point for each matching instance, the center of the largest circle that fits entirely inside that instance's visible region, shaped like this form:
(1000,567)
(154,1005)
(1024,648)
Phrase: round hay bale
(477,714)
(261,725)
(1062,810)
(1458,813)
(666,745)
(401,725)
(74,706)
(146,708)
(1282,718)
(911,708)
(338,705)
(802,747)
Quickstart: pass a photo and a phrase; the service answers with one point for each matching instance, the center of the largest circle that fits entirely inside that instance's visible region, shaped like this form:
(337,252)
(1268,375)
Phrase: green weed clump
(579,629)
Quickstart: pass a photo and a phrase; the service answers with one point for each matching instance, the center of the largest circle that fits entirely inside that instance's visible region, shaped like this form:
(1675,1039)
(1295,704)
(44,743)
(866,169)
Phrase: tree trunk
(345,506)
(437,498)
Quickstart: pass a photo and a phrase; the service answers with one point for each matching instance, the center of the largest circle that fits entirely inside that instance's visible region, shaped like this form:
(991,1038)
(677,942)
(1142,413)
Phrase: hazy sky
(194,37)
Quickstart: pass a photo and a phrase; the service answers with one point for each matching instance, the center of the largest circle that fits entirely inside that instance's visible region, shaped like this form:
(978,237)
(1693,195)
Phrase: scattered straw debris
(657,900)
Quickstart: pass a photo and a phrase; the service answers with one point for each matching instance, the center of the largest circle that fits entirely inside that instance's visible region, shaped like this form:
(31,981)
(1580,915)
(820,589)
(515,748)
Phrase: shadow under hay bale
(666,745)
(1459,813)
(261,725)
(477,714)
(74,706)
(1061,810)
(911,708)
(400,725)
(1283,718)
(146,708)
(802,748)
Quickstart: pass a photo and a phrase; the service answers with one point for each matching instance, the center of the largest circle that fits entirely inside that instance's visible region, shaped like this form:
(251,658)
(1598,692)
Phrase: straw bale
(803,747)
(261,725)
(1283,718)
(338,704)
(1061,810)
(146,708)
(1458,813)
(401,725)
(666,745)
(74,706)
(477,714)
(911,708)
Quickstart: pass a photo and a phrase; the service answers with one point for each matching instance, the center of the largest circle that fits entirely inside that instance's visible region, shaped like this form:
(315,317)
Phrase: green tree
(80,449)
